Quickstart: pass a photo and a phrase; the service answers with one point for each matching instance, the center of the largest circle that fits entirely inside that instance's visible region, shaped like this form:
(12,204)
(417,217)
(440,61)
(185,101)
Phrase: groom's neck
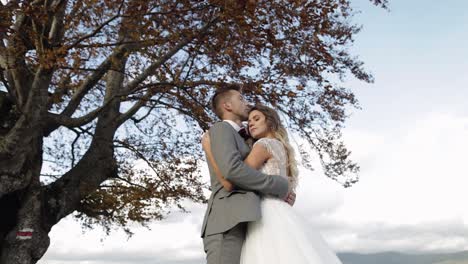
(233,118)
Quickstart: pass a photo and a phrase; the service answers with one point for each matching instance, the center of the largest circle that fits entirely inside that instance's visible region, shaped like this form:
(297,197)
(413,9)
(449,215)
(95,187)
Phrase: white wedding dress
(282,236)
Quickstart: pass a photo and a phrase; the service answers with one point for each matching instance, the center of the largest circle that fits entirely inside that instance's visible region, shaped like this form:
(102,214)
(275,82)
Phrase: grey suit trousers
(225,248)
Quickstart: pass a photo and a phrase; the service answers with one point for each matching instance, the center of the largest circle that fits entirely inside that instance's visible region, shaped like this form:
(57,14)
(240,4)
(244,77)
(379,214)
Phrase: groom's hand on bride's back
(291,196)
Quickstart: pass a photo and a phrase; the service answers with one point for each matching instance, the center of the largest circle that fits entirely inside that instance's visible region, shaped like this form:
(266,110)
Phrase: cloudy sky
(410,140)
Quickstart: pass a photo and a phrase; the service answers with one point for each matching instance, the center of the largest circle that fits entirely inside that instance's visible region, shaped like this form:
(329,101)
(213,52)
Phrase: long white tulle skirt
(282,236)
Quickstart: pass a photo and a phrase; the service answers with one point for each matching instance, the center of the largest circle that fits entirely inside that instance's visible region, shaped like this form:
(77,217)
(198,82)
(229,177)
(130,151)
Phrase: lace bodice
(277,164)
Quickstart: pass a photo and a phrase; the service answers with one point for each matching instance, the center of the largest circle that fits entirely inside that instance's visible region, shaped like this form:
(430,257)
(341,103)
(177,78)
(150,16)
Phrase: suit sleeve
(233,168)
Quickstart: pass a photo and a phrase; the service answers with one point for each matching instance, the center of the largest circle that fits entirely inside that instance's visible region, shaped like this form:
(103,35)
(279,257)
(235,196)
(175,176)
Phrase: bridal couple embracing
(250,218)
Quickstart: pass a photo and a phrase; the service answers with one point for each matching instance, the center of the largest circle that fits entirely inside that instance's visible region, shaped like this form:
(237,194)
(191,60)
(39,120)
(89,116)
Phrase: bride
(280,236)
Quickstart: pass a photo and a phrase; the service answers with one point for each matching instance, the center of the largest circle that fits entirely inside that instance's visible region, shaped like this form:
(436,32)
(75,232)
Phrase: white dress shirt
(233,124)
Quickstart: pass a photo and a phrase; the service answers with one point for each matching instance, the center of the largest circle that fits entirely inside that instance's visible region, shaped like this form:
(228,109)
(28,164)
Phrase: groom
(226,217)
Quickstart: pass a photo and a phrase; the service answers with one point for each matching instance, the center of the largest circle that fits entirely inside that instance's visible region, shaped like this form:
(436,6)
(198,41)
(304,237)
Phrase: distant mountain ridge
(403,258)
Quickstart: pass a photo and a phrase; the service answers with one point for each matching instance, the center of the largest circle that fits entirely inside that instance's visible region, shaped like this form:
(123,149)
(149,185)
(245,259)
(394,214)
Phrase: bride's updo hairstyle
(274,124)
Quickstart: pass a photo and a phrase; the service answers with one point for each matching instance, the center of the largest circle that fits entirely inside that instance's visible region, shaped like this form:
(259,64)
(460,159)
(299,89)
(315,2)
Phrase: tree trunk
(27,239)
(29,214)
(23,234)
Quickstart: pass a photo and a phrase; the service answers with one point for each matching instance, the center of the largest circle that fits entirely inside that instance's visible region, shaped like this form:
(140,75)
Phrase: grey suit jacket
(227,209)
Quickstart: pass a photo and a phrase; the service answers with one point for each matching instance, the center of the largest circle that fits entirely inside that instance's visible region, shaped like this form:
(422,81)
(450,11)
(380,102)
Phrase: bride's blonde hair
(273,122)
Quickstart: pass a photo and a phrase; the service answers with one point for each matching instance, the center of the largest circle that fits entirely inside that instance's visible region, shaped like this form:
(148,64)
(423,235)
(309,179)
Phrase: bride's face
(258,127)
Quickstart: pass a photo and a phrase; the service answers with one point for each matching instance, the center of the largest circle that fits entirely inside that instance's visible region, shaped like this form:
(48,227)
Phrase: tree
(90,88)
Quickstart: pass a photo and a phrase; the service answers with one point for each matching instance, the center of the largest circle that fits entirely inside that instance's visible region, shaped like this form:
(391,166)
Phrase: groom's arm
(232,167)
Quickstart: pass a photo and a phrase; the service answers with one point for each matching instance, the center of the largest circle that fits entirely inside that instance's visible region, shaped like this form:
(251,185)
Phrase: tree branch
(63,120)
(129,182)
(150,70)
(78,134)
(18,74)
(96,165)
(89,83)
(201,123)
(133,85)
(125,116)
(138,120)
(56,120)
(142,156)
(56,28)
(4,82)
(98,29)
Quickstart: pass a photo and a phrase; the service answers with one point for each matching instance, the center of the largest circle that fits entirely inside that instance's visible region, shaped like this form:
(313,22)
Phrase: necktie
(243,133)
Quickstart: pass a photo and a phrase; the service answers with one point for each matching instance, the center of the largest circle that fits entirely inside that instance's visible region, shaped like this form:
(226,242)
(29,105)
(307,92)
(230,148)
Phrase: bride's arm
(227,185)
(257,157)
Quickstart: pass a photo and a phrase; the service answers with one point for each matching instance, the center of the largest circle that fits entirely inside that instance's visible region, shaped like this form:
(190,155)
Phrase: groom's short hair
(223,93)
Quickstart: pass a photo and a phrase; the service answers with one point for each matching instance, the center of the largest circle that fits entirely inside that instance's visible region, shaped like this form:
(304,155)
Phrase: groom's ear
(227,106)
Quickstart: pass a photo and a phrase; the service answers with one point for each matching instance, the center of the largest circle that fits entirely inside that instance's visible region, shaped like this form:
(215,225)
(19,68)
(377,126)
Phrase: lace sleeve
(264,142)
(277,164)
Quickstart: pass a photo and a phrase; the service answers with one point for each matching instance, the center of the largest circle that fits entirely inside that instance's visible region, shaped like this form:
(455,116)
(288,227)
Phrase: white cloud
(418,171)
(413,196)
